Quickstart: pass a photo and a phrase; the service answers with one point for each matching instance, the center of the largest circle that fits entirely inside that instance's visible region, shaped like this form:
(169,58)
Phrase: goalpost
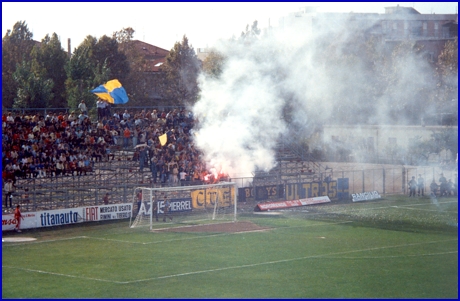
(188,204)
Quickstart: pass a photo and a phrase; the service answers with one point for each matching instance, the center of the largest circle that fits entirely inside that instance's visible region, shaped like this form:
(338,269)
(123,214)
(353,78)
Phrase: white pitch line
(43,241)
(279,261)
(418,209)
(446,202)
(60,274)
(394,256)
(209,235)
(392,206)
(222,269)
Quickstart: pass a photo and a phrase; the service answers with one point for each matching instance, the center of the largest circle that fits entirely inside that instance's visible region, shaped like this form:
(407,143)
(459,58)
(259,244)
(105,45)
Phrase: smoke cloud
(323,76)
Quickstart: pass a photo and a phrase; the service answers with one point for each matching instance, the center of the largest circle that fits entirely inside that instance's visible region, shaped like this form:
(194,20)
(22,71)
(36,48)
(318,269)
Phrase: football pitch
(397,247)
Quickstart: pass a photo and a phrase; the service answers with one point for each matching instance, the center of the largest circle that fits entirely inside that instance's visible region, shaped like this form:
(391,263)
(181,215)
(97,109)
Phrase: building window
(445,32)
(406,28)
(436,29)
(425,29)
(417,29)
(392,141)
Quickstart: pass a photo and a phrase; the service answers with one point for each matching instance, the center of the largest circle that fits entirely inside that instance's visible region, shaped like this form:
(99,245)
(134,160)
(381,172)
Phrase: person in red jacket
(18,216)
(126,136)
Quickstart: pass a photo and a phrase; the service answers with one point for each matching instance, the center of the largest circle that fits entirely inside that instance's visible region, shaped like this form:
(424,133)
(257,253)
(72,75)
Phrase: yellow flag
(163,139)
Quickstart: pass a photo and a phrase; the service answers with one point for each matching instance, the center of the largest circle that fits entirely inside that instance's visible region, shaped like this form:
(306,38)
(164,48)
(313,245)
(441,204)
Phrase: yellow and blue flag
(112,92)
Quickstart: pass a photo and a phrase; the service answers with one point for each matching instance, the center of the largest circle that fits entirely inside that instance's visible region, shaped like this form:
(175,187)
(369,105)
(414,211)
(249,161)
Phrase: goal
(188,204)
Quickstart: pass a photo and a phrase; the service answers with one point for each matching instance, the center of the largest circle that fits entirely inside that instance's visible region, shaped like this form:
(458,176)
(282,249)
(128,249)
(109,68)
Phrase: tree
(80,74)
(16,47)
(93,63)
(250,34)
(105,52)
(34,89)
(123,36)
(181,70)
(53,59)
(446,92)
(445,139)
(213,64)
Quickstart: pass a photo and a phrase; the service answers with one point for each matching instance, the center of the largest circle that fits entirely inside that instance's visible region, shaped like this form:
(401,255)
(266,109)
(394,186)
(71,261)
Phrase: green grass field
(392,248)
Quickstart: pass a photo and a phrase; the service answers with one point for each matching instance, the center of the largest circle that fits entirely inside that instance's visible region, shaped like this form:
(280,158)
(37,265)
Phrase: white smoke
(239,119)
(241,113)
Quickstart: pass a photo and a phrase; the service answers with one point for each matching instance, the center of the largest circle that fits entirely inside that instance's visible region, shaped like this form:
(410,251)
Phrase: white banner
(68,216)
(293,203)
(29,221)
(365,196)
(59,217)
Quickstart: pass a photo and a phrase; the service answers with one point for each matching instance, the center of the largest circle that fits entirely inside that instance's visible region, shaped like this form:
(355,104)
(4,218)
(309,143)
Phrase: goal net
(188,204)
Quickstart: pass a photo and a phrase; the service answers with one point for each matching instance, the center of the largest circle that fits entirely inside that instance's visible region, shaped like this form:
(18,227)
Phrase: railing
(45,111)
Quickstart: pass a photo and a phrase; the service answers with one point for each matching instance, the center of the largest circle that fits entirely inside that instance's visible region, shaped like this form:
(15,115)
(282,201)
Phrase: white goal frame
(154,190)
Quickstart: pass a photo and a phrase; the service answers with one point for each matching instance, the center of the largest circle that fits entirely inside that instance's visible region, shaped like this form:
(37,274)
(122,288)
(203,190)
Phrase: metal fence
(385,180)
(121,176)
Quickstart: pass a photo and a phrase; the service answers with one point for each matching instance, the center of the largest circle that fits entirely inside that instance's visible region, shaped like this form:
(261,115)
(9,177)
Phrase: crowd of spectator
(70,144)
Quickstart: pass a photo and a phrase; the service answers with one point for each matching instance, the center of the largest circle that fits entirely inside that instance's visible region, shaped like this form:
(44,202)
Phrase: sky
(164,23)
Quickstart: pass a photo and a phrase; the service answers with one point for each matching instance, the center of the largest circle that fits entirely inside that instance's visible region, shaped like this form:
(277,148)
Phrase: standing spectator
(163,173)
(166,209)
(421,185)
(118,115)
(155,209)
(71,117)
(175,173)
(139,201)
(107,110)
(10,118)
(142,158)
(81,167)
(60,168)
(126,136)
(153,169)
(126,115)
(434,188)
(83,108)
(443,185)
(182,176)
(18,216)
(135,136)
(106,199)
(412,187)
(9,189)
(100,109)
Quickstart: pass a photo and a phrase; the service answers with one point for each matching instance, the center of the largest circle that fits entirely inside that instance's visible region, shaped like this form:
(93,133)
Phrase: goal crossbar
(184,194)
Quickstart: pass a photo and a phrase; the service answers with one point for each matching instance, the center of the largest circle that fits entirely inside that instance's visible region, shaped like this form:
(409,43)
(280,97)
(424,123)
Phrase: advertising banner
(59,217)
(9,223)
(69,216)
(293,203)
(260,193)
(177,205)
(295,191)
(206,198)
(365,196)
(107,212)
